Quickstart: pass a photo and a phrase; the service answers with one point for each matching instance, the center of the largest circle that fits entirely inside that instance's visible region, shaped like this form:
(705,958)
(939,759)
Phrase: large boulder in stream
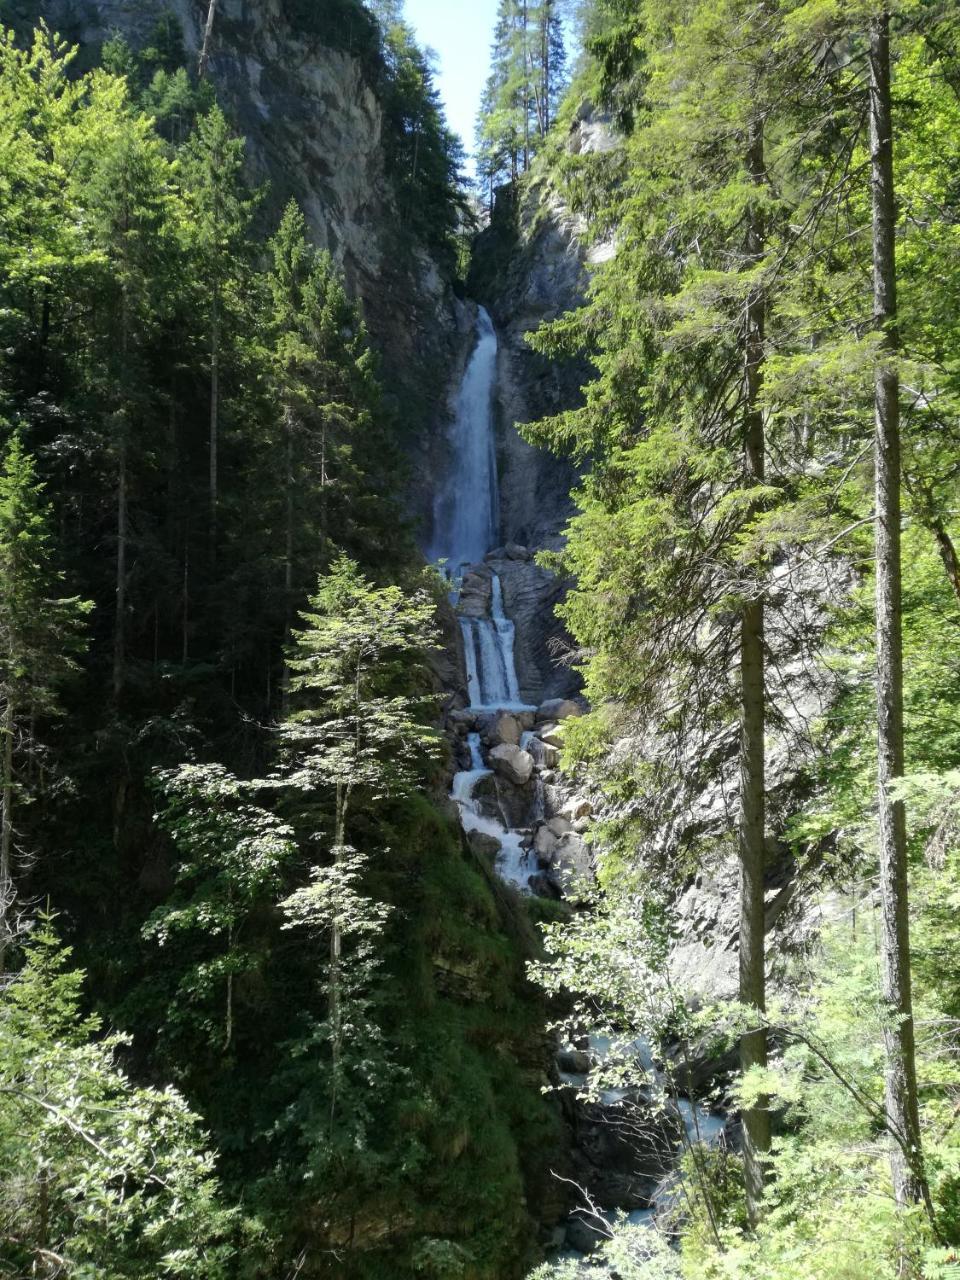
(500,727)
(511,763)
(484,845)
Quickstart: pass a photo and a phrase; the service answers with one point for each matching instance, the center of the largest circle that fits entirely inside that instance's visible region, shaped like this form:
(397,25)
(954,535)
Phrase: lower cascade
(515,810)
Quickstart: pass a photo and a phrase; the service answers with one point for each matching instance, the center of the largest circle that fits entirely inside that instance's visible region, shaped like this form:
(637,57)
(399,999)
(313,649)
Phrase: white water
(466,511)
(466,516)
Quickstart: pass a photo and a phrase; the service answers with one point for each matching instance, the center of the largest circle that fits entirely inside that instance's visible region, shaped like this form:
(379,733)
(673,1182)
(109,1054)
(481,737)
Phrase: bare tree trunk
(120,621)
(753,1045)
(120,614)
(901,1107)
(207,39)
(323,493)
(214,418)
(526,90)
(287,559)
(948,554)
(7,893)
(185,609)
(336,952)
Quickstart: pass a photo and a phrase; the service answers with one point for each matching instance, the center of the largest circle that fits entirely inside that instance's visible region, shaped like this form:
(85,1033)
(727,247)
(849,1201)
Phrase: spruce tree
(213,165)
(41,634)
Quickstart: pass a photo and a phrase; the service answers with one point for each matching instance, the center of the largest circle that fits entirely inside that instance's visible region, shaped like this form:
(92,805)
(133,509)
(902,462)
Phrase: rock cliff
(301,90)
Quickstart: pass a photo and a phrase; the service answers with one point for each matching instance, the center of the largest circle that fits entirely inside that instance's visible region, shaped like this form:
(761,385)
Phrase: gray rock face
(314,130)
(558,709)
(530,267)
(530,596)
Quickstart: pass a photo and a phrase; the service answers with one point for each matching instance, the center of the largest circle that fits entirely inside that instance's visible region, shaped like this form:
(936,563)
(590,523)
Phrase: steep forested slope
(240,836)
(771,408)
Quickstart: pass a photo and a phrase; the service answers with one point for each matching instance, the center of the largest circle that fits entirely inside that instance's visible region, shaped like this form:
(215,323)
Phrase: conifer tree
(902,1107)
(213,164)
(41,634)
(360,731)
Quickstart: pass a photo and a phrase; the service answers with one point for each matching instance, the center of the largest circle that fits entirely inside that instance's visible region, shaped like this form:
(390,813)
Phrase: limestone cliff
(530,266)
(304,97)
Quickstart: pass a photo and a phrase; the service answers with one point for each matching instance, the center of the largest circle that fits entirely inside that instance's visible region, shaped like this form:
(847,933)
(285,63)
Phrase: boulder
(551,734)
(570,863)
(549,756)
(511,763)
(545,844)
(462,721)
(484,845)
(514,551)
(559,826)
(558,709)
(586,1233)
(576,808)
(543,887)
(499,727)
(575,1062)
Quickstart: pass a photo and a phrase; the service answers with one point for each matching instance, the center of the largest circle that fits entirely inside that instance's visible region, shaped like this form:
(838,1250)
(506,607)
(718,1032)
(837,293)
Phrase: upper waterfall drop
(466,511)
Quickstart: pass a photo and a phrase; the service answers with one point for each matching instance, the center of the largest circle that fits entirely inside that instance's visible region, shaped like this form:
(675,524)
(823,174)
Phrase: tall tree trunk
(214,418)
(6,832)
(545,53)
(902,1111)
(120,614)
(288,420)
(120,620)
(526,87)
(336,953)
(207,39)
(753,1045)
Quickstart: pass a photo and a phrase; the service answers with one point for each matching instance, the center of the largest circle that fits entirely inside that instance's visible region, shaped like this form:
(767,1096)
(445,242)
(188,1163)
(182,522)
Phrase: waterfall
(466,518)
(465,521)
(467,511)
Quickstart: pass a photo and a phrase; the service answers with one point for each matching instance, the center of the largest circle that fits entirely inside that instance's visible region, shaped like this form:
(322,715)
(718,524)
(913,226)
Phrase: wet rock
(543,887)
(514,551)
(545,844)
(462,721)
(484,845)
(512,763)
(516,803)
(499,728)
(476,593)
(558,709)
(575,1062)
(586,1233)
(487,797)
(571,856)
